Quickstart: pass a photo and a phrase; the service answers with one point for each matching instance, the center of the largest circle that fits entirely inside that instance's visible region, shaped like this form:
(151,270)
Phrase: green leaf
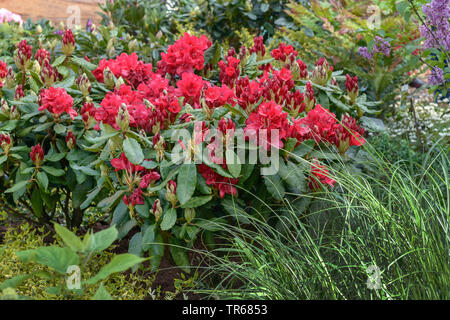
(133,151)
(156,252)
(179,255)
(148,237)
(118,263)
(186,182)
(83,63)
(103,239)
(195,202)
(233,163)
(59,128)
(36,203)
(3,158)
(69,238)
(42,180)
(108,202)
(17,186)
(53,171)
(54,257)
(274,186)
(304,148)
(169,219)
(102,294)
(58,61)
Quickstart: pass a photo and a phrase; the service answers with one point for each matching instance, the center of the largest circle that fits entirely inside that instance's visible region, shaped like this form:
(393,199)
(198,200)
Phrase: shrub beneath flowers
(171,148)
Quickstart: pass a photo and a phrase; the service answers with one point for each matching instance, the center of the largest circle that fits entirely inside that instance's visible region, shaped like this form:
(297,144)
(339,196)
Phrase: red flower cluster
(42,55)
(143,177)
(269,116)
(190,87)
(3,70)
(129,67)
(258,46)
(319,176)
(150,107)
(185,55)
(219,96)
(248,93)
(56,101)
(318,125)
(223,184)
(347,134)
(283,52)
(229,70)
(23,55)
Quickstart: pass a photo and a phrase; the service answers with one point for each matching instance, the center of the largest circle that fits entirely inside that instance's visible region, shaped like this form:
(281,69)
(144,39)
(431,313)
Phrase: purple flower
(363,51)
(89,25)
(59,32)
(382,46)
(437,29)
(436,76)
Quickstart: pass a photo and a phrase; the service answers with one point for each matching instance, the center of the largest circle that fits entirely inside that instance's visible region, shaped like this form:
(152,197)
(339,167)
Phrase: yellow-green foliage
(24,237)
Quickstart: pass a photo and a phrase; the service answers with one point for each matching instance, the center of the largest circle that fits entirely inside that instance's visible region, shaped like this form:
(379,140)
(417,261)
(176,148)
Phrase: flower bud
(108,78)
(38,29)
(84,84)
(157,210)
(171,192)
(22,58)
(4,107)
(351,84)
(49,75)
(14,114)
(123,118)
(70,140)
(310,100)
(19,94)
(5,142)
(68,42)
(322,72)
(37,155)
(10,78)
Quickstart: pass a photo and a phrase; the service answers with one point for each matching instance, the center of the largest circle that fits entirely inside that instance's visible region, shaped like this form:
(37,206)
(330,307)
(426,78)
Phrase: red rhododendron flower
(149,179)
(283,51)
(320,124)
(56,101)
(3,70)
(218,96)
(190,87)
(229,70)
(270,116)
(123,163)
(319,176)
(223,184)
(185,55)
(347,134)
(129,67)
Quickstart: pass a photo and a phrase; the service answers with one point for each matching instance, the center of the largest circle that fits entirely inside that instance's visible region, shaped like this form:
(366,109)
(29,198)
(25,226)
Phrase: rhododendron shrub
(169,147)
